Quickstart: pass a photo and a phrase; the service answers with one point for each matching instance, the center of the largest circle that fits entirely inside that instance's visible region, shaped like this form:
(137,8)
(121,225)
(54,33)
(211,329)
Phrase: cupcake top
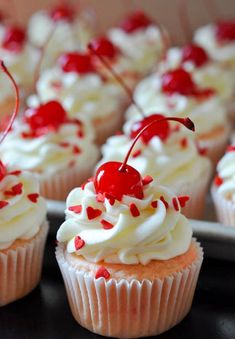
(219,41)
(22,210)
(225,179)
(82,91)
(206,72)
(140,39)
(20,57)
(175,93)
(46,141)
(168,154)
(128,230)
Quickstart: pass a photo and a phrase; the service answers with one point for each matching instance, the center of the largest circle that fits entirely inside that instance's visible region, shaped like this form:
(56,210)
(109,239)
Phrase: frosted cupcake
(67,28)
(223,188)
(175,93)
(140,39)
(125,246)
(75,82)
(169,155)
(23,230)
(60,151)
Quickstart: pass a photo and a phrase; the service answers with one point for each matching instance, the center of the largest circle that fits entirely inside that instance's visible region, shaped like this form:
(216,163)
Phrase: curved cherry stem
(117,77)
(184,19)
(16,109)
(184,121)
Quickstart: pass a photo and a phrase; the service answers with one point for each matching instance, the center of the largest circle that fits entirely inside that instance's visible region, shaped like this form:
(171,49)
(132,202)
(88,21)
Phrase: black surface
(45,313)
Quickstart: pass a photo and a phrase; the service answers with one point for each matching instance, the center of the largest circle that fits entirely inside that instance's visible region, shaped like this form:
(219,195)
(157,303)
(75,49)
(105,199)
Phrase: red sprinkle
(76,209)
(218,180)
(183,199)
(118,133)
(3,203)
(71,163)
(146,180)
(202,150)
(80,134)
(33,197)
(110,198)
(154,204)
(164,202)
(136,153)
(102,272)
(79,243)
(175,203)
(134,210)
(230,148)
(106,225)
(76,149)
(14,173)
(15,190)
(64,144)
(184,142)
(93,213)
(100,197)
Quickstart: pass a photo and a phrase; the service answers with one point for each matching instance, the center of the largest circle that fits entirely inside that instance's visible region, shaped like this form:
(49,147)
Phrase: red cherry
(225,31)
(111,179)
(46,117)
(162,130)
(13,39)
(103,46)
(76,62)
(62,12)
(135,21)
(195,54)
(178,81)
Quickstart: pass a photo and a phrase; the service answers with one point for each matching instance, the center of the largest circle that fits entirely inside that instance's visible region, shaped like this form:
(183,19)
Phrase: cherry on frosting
(62,12)
(194,53)
(135,21)
(13,39)
(162,130)
(225,31)
(76,62)
(178,81)
(103,46)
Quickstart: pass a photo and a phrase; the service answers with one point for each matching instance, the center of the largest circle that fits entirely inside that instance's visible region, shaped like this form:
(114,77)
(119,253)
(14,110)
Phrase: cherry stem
(212,9)
(16,109)
(184,121)
(184,20)
(117,77)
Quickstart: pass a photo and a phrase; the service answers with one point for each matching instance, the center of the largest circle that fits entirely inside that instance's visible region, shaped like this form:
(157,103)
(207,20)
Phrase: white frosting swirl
(21,218)
(207,114)
(226,171)
(52,152)
(157,233)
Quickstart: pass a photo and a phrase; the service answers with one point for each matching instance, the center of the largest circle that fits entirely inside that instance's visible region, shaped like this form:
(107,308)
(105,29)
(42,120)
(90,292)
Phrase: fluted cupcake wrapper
(129,309)
(225,209)
(20,268)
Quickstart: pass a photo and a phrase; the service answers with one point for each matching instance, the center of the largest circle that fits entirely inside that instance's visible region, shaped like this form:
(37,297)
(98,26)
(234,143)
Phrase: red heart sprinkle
(164,202)
(136,153)
(76,209)
(64,144)
(78,243)
(3,203)
(33,197)
(175,203)
(15,173)
(134,210)
(230,148)
(154,204)
(93,213)
(218,180)
(184,142)
(102,272)
(106,225)
(146,180)
(15,190)
(183,200)
(76,149)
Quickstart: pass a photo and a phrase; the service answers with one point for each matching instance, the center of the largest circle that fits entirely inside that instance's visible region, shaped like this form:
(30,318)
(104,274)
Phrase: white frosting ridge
(226,171)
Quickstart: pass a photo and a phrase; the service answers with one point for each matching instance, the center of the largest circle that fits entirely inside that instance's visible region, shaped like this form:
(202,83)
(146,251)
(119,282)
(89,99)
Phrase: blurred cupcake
(175,93)
(168,155)
(67,28)
(223,188)
(125,246)
(23,231)
(60,151)
(140,39)
(83,92)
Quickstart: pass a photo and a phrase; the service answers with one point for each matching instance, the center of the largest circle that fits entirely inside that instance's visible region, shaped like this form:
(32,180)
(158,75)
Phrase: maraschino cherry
(195,54)
(135,21)
(103,46)
(62,12)
(13,39)
(78,62)
(225,31)
(116,179)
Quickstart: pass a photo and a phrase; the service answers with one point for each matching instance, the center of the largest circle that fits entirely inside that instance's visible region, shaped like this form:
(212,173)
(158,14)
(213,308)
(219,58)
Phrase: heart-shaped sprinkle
(164,202)
(33,197)
(218,180)
(184,142)
(106,225)
(175,203)
(183,200)
(102,272)
(78,243)
(136,153)
(230,148)
(134,210)
(76,149)
(154,204)
(15,173)
(3,203)
(15,190)
(76,209)
(146,180)
(93,213)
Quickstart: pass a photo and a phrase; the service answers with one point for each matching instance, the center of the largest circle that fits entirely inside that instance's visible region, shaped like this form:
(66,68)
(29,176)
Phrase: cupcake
(175,93)
(23,231)
(126,254)
(140,39)
(67,28)
(59,150)
(75,82)
(169,155)
(223,188)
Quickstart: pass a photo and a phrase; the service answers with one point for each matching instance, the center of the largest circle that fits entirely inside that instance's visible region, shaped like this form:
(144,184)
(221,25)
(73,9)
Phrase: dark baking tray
(45,313)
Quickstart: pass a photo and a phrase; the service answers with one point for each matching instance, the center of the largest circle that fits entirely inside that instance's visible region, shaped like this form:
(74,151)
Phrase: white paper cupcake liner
(129,309)
(20,268)
(225,209)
